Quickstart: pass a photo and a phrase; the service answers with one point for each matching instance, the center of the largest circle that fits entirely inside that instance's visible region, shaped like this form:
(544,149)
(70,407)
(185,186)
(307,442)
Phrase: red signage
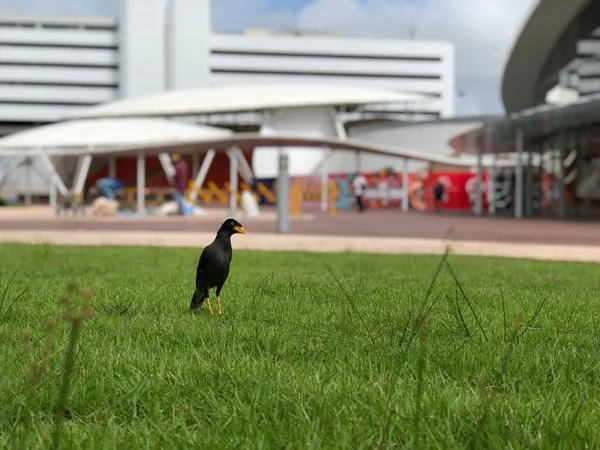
(385,190)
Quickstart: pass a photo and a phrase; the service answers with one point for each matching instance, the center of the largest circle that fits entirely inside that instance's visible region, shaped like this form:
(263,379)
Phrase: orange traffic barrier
(333,193)
(269,196)
(218,193)
(296,196)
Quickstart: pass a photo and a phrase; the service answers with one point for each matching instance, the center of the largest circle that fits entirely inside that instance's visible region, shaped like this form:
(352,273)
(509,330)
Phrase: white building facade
(52,66)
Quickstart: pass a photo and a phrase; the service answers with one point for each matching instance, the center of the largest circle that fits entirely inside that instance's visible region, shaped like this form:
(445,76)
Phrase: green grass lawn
(313,351)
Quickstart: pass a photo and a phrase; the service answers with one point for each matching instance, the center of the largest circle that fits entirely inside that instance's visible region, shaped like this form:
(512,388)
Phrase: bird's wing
(202,262)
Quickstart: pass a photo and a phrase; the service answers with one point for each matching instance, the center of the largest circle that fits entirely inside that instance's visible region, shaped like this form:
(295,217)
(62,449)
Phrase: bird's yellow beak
(240,230)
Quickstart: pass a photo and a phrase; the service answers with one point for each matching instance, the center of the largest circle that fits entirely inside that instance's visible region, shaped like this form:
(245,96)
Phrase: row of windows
(324,74)
(329,55)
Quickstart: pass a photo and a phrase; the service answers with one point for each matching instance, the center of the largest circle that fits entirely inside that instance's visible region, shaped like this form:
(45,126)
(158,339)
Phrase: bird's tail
(197,299)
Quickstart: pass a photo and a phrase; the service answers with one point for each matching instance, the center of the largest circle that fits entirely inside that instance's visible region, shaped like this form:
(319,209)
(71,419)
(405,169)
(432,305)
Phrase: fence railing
(214,195)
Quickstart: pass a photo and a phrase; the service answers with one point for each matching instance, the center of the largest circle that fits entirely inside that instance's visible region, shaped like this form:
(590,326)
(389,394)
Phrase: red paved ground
(371,223)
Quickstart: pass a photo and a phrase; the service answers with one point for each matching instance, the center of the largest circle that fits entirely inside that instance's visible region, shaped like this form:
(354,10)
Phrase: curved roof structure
(110,133)
(244,98)
(248,141)
(536,124)
(546,43)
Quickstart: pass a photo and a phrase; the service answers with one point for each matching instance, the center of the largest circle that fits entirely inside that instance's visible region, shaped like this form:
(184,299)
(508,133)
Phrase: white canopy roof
(110,133)
(248,141)
(251,97)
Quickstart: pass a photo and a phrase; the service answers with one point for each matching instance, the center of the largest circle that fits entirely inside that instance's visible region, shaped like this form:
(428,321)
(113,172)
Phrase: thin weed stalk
(353,306)
(449,267)
(407,341)
(76,320)
(421,361)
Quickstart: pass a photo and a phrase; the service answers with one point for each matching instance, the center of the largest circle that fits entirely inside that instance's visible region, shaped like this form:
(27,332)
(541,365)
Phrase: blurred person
(359,184)
(104,207)
(438,195)
(384,188)
(180,181)
(108,187)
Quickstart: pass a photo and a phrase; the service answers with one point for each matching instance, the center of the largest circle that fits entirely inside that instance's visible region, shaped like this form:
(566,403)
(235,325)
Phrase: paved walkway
(374,231)
(390,223)
(315,243)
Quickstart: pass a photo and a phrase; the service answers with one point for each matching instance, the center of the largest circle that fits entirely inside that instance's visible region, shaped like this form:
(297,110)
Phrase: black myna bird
(213,266)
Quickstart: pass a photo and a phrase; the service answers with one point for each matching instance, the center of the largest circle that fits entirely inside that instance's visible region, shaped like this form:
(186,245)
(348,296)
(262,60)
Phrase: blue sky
(483,31)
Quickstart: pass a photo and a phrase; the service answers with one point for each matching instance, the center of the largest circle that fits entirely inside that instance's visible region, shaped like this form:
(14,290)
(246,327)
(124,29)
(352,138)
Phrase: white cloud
(236,15)
(483,30)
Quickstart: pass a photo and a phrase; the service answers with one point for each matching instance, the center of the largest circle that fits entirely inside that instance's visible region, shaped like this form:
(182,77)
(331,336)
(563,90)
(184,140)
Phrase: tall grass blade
(353,306)
(466,299)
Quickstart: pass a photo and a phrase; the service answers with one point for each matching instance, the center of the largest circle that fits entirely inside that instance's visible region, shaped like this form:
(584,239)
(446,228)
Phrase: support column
(479,184)
(491,185)
(82,173)
(141,183)
(357,160)
(199,181)
(167,165)
(529,184)
(579,162)
(233,182)
(405,184)
(112,166)
(243,167)
(195,163)
(543,151)
(519,177)
(58,182)
(10,166)
(52,194)
(555,155)
(324,181)
(283,195)
(561,175)
(430,188)
(28,187)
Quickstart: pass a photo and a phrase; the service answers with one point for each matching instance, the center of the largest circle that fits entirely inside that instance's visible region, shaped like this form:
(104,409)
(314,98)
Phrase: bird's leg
(219,302)
(209,307)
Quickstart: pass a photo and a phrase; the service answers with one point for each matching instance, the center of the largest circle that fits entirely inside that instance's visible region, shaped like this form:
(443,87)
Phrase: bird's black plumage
(213,265)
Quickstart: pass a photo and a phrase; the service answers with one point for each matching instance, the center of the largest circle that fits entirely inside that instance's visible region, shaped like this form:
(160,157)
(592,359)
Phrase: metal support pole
(283,195)
(561,176)
(58,182)
(233,182)
(357,156)
(52,194)
(405,183)
(324,181)
(10,166)
(195,163)
(519,177)
(430,188)
(529,184)
(167,165)
(479,184)
(206,162)
(82,173)
(141,183)
(243,167)
(491,191)
(112,166)
(555,164)
(28,187)
(579,163)
(540,171)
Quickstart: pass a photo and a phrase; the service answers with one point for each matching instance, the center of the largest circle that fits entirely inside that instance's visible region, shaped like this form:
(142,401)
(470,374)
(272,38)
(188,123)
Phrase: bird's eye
(232,224)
